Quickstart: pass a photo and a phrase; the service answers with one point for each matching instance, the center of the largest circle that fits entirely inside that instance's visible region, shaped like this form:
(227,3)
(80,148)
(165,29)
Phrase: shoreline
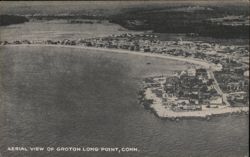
(189,60)
(158,109)
(161,112)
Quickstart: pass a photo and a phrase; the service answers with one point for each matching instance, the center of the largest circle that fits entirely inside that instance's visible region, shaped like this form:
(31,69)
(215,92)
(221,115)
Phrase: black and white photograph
(124,78)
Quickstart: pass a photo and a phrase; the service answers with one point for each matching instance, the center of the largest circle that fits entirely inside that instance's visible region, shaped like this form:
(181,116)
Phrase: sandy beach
(189,60)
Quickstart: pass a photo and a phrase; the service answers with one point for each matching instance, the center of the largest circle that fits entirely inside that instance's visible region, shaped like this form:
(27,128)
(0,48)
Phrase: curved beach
(189,60)
(157,107)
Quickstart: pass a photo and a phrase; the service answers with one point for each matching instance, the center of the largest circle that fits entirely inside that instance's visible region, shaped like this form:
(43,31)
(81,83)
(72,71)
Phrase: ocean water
(62,97)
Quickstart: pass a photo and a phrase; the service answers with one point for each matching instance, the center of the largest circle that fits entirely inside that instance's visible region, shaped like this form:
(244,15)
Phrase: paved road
(217,88)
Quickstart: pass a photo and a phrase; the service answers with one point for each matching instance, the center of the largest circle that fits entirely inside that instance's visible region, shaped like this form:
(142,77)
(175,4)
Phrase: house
(26,42)
(234,86)
(65,42)
(218,67)
(188,106)
(146,49)
(191,72)
(80,41)
(50,42)
(5,42)
(194,101)
(210,87)
(201,72)
(17,42)
(183,73)
(238,97)
(171,98)
(182,101)
(216,100)
(246,73)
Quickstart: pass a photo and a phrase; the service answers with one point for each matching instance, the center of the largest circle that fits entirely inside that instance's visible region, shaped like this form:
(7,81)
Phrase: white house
(191,72)
(246,73)
(216,100)
(218,67)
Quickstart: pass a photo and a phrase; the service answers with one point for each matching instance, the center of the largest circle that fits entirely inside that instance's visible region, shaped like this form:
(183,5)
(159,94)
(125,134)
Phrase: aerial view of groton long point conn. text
(124,78)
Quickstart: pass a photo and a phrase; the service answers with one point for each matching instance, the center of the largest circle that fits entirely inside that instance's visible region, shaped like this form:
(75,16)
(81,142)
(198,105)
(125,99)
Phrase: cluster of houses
(210,52)
(186,90)
(234,80)
(191,89)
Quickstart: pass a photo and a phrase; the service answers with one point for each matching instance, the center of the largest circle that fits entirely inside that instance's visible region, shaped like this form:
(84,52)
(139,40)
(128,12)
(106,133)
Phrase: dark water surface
(69,97)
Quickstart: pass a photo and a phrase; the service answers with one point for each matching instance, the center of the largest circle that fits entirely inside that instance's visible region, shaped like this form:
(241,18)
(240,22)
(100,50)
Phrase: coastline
(156,107)
(160,111)
(193,61)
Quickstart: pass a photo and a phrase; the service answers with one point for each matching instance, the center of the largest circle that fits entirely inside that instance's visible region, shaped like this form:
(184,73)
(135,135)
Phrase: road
(217,88)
